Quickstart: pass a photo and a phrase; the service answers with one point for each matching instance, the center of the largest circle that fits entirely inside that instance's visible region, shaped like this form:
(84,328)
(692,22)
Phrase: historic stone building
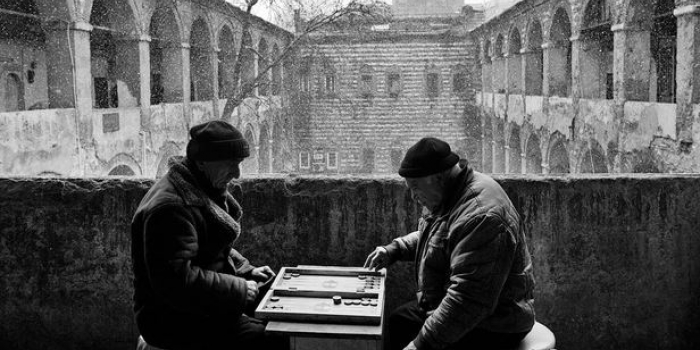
(100,87)
(368,90)
(589,86)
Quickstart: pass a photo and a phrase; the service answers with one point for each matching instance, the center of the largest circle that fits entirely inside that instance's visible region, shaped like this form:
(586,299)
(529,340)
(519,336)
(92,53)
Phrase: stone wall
(616,257)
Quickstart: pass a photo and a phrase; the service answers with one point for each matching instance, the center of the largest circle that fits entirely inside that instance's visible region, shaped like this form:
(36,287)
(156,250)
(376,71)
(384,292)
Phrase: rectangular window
(433,84)
(332,160)
(393,83)
(459,82)
(304,82)
(304,160)
(330,83)
(366,85)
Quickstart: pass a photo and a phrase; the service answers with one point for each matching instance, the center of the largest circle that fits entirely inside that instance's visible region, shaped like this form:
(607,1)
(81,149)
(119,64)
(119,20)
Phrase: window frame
(307,155)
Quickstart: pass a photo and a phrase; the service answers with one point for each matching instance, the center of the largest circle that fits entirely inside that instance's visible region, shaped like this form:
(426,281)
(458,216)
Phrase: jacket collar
(187,186)
(455,188)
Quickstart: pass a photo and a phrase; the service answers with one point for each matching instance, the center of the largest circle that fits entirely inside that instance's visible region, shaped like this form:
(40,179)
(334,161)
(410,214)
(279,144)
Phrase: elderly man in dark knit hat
(473,268)
(191,287)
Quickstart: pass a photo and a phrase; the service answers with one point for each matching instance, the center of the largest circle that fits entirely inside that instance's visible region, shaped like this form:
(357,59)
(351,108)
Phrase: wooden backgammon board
(325,294)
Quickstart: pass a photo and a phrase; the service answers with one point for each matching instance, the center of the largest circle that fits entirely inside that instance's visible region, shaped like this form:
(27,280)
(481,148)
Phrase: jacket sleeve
(403,248)
(240,264)
(480,262)
(171,245)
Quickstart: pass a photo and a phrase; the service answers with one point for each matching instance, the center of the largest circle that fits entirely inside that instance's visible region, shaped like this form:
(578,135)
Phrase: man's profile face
(427,191)
(220,173)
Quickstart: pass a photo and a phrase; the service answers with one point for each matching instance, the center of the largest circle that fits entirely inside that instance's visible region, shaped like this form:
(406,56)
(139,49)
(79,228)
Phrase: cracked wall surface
(616,258)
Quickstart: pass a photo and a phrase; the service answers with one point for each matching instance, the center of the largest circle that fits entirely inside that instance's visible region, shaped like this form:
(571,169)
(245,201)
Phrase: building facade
(111,87)
(589,86)
(369,91)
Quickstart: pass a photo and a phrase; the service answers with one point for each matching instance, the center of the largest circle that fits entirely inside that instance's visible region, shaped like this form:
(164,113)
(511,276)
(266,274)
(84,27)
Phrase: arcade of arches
(590,86)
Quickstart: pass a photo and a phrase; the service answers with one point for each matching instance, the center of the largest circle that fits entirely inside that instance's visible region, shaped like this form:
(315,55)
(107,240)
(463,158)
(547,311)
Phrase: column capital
(525,50)
(618,27)
(185,45)
(575,38)
(547,45)
(145,37)
(687,10)
(57,25)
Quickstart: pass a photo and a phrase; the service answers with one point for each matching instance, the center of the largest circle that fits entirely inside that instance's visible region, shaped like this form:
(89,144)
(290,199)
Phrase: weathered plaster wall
(616,258)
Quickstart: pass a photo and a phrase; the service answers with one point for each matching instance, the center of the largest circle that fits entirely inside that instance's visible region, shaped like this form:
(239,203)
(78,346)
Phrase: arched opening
(276,71)
(166,56)
(264,153)
(121,170)
(247,62)
(533,155)
(488,145)
(14,93)
(594,160)
(263,72)
(486,68)
(558,155)
(597,51)
(560,54)
(515,66)
(201,72)
(227,62)
(115,55)
(499,69)
(500,157)
(23,57)
(534,68)
(663,52)
(514,162)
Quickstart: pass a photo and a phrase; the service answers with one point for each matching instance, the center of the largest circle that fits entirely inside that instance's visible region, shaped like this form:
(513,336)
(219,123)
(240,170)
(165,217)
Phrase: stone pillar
(145,81)
(172,73)
(70,79)
(545,168)
(631,63)
(186,81)
(128,71)
(214,58)
(523,163)
(270,144)
(69,66)
(687,71)
(546,53)
(506,152)
(576,78)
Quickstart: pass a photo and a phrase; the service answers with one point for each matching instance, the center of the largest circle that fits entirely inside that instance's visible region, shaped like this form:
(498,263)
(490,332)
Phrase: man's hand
(378,259)
(252,292)
(262,273)
(410,346)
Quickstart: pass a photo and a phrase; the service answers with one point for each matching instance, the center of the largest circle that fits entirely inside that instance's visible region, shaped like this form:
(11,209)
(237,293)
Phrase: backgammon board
(328,294)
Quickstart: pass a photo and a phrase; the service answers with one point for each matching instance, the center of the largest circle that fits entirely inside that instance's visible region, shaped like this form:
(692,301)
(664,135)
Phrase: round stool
(142,345)
(539,338)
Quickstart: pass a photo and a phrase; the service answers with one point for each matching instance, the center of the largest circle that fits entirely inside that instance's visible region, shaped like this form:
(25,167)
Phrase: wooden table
(300,305)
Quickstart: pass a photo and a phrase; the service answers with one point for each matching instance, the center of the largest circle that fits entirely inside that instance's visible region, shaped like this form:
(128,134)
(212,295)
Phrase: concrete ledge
(616,257)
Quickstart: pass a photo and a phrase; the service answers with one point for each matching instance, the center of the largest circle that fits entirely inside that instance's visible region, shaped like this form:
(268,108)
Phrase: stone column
(523,163)
(631,63)
(69,76)
(69,66)
(545,168)
(270,144)
(128,71)
(214,58)
(576,81)
(186,81)
(145,81)
(506,152)
(687,71)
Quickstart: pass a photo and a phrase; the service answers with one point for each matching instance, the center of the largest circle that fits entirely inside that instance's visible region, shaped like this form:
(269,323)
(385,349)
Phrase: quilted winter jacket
(473,268)
(187,275)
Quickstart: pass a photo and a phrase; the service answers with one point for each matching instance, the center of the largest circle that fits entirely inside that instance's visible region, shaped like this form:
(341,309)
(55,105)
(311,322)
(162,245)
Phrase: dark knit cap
(216,140)
(427,157)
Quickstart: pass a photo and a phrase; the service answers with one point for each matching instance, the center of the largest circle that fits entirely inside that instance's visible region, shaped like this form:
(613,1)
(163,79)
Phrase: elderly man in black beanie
(191,287)
(473,268)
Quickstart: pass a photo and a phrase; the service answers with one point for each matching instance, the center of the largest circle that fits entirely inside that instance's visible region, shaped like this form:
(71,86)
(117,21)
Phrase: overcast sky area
(281,12)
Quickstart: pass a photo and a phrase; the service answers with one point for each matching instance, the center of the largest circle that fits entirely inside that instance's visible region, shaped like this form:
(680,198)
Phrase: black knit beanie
(427,157)
(216,140)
